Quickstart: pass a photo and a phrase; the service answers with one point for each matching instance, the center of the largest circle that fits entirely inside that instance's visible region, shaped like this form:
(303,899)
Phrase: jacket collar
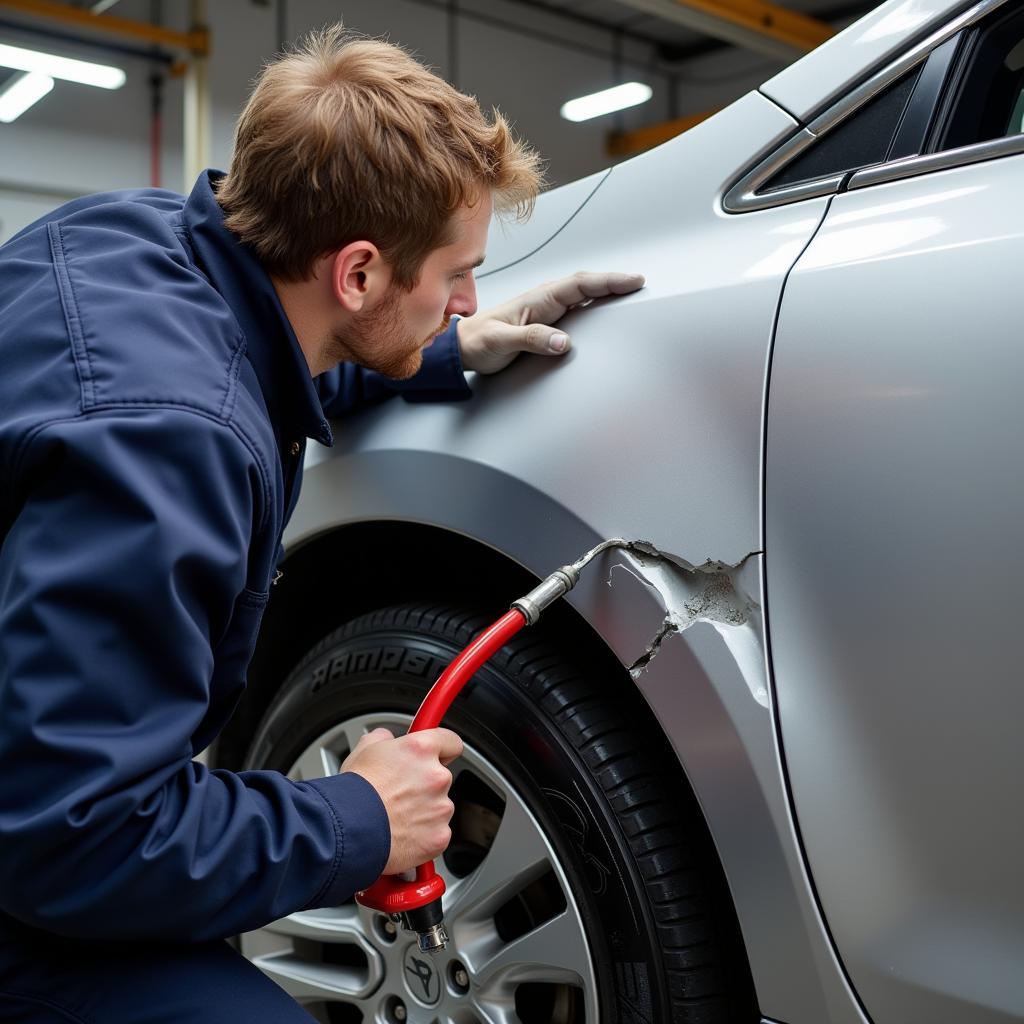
(235,271)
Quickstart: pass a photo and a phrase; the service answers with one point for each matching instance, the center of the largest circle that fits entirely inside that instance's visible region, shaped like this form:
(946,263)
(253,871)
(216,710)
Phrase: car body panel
(663,394)
(706,426)
(826,73)
(705,697)
(510,240)
(893,486)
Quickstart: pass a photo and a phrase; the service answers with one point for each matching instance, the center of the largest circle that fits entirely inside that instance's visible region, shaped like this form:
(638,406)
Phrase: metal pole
(197,104)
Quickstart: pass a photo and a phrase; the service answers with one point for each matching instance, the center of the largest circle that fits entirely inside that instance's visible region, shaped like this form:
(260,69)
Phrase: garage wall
(80,139)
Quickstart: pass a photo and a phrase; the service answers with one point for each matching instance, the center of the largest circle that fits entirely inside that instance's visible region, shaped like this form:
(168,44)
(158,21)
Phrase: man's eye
(460,277)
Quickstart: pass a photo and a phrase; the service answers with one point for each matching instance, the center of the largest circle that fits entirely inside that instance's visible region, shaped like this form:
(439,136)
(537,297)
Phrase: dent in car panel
(713,592)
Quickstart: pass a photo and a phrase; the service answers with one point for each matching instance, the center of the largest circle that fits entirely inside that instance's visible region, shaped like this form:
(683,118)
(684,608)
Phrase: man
(165,359)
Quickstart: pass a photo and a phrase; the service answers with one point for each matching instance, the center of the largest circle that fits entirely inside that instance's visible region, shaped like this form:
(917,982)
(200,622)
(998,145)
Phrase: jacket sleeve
(440,379)
(125,562)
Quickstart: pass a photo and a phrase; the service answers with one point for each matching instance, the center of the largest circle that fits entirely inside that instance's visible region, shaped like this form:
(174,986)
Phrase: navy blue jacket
(154,405)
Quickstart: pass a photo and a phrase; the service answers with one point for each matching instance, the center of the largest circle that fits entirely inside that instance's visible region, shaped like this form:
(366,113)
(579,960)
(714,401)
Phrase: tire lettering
(365,661)
(416,663)
(391,658)
(339,666)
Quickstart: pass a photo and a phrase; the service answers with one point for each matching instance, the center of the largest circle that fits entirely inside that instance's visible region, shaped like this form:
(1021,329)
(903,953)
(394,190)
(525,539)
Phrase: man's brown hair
(350,138)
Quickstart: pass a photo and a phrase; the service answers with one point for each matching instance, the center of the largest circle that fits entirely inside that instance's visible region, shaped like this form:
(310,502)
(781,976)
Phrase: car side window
(957,100)
(985,97)
(865,137)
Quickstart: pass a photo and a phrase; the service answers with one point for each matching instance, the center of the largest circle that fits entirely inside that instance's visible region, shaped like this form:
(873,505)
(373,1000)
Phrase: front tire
(582,886)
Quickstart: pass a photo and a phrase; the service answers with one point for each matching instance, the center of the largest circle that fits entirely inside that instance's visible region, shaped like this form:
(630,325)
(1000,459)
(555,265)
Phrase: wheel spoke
(304,979)
(316,762)
(307,978)
(451,882)
(348,736)
(552,953)
(518,856)
(492,1013)
(329,924)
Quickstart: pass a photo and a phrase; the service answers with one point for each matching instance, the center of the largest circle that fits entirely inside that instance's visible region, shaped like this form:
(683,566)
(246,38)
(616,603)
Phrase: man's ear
(359,276)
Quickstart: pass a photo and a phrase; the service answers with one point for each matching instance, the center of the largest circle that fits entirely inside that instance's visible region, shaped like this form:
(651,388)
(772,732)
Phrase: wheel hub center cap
(422,976)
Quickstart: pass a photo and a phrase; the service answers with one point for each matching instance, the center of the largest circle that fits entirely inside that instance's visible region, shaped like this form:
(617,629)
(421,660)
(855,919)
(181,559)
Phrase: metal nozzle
(433,940)
(615,542)
(562,580)
(427,923)
(545,593)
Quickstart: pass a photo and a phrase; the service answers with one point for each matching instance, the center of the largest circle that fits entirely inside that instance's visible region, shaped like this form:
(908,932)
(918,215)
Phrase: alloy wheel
(518,952)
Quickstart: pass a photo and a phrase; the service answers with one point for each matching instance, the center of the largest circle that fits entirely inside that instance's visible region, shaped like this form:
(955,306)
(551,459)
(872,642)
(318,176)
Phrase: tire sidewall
(367,668)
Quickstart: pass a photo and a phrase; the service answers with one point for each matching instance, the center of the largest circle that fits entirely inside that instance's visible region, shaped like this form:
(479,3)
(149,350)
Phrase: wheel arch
(377,527)
(340,574)
(441,566)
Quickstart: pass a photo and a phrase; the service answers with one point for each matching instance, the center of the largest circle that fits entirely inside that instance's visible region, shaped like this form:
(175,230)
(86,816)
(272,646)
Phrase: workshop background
(184,89)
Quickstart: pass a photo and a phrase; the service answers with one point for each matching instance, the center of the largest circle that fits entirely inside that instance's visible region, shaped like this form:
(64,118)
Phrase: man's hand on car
(410,775)
(490,340)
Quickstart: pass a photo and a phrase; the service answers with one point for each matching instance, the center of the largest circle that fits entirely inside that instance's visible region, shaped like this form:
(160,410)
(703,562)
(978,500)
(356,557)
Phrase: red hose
(392,894)
(462,669)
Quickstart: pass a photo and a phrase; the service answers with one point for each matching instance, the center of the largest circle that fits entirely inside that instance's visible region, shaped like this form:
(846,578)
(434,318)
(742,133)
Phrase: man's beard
(375,340)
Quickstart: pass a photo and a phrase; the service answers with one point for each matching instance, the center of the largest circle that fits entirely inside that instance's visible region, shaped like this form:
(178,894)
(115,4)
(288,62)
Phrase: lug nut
(458,977)
(394,1011)
(385,929)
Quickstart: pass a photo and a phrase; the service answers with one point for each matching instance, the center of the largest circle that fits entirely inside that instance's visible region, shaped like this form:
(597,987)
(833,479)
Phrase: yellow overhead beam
(754,24)
(779,23)
(640,139)
(196,42)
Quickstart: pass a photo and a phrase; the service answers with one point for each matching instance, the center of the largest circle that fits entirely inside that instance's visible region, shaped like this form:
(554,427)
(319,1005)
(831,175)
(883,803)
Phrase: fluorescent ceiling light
(82,71)
(22,93)
(606,101)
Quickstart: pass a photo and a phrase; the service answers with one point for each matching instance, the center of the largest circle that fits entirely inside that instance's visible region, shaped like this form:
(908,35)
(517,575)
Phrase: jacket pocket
(231,659)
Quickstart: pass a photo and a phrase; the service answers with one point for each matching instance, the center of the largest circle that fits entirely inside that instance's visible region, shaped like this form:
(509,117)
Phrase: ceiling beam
(195,42)
(640,139)
(752,24)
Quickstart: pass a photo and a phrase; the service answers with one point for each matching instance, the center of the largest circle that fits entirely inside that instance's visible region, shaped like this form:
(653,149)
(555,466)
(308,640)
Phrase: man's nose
(462,301)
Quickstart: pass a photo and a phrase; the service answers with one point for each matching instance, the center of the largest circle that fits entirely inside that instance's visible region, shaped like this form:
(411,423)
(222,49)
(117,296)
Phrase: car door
(894,498)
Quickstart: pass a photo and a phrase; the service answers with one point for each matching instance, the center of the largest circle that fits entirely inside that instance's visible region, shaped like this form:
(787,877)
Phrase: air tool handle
(417,902)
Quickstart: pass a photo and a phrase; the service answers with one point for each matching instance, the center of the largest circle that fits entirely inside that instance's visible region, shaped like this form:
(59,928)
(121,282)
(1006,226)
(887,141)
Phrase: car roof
(811,84)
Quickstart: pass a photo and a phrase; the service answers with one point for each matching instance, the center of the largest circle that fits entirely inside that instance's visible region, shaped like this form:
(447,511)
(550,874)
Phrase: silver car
(770,769)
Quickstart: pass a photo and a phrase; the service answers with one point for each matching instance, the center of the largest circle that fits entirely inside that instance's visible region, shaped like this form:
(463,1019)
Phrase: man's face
(390,338)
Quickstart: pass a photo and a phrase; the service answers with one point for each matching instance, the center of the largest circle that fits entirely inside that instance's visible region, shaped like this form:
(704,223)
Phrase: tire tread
(640,780)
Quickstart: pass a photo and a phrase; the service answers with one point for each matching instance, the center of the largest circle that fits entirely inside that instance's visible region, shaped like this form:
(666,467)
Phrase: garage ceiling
(678,29)
(672,32)
(682,29)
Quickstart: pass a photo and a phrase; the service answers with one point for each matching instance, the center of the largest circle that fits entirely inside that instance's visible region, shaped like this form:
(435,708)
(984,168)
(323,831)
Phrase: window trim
(944,160)
(925,102)
(744,195)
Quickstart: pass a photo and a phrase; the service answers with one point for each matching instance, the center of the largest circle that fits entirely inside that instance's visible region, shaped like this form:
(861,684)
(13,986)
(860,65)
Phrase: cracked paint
(715,593)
